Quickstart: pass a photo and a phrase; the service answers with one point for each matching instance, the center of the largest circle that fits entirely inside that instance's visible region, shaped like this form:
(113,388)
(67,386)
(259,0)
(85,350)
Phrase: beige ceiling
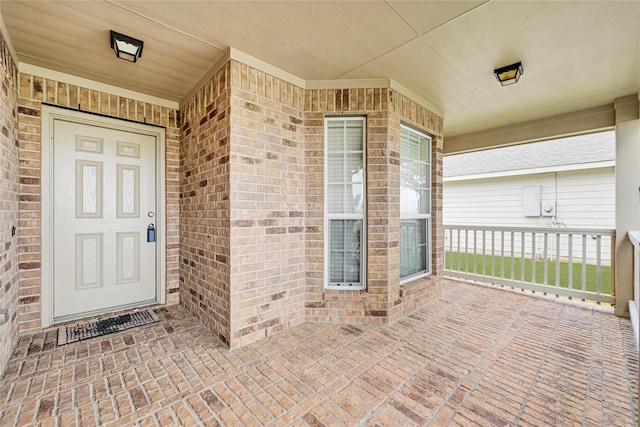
(575,54)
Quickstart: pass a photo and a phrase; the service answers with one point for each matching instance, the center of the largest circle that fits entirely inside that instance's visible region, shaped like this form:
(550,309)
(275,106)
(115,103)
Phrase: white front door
(104,199)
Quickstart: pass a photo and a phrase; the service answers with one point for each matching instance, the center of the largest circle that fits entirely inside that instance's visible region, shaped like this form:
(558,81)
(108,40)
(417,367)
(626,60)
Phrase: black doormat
(69,334)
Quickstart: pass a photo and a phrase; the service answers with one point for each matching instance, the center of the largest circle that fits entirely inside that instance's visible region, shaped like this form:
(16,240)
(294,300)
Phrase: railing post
(475,252)
(584,262)
(513,260)
(598,263)
(533,257)
(522,256)
(557,260)
(570,272)
(613,264)
(466,252)
(546,261)
(502,253)
(493,253)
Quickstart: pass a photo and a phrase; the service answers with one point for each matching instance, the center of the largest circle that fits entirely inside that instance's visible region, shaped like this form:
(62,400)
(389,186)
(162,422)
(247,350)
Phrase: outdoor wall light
(510,74)
(126,47)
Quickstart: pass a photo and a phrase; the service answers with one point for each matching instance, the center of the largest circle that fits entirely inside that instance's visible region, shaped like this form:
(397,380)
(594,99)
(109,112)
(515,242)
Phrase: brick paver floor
(474,356)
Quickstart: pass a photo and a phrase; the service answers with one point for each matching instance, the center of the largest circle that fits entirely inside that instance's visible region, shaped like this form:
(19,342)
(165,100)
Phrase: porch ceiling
(576,55)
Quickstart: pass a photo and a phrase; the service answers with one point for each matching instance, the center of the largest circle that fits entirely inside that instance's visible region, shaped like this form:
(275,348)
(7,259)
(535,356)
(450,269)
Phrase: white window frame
(421,216)
(345,216)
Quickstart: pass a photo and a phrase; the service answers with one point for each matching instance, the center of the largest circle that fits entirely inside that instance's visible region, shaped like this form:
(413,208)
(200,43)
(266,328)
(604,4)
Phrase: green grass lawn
(496,261)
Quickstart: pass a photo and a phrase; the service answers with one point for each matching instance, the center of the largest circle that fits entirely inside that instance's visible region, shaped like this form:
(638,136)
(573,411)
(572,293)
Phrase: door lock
(151,233)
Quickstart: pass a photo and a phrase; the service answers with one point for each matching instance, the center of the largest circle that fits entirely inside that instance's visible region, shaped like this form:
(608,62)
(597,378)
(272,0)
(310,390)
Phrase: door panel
(103,187)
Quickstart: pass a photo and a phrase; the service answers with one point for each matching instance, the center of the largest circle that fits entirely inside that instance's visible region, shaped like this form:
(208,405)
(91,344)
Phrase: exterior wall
(205,205)
(34,91)
(9,200)
(245,200)
(584,199)
(383,300)
(267,205)
(252,207)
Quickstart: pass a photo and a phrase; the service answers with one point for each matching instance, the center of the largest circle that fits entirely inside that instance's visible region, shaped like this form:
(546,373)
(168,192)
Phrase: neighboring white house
(565,183)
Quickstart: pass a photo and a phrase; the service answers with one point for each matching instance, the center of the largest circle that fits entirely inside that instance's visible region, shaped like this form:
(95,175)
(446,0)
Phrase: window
(415,203)
(345,202)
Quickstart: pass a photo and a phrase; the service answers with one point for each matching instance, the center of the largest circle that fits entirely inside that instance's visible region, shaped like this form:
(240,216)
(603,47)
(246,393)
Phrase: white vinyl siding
(584,199)
(345,202)
(415,203)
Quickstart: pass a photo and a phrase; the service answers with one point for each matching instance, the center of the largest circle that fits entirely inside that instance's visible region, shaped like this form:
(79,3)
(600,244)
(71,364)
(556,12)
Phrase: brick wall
(413,294)
(8,202)
(205,205)
(383,300)
(242,206)
(245,200)
(252,209)
(35,90)
(267,204)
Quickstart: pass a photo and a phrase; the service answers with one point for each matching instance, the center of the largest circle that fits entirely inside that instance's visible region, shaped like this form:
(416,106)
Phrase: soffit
(576,54)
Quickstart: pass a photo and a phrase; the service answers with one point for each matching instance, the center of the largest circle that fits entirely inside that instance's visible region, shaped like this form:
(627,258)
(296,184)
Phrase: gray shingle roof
(595,147)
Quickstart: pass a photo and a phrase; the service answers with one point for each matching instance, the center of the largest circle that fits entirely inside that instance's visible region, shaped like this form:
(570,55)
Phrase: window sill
(411,279)
(344,288)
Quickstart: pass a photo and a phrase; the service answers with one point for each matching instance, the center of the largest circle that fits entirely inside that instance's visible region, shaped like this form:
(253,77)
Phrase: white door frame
(49,115)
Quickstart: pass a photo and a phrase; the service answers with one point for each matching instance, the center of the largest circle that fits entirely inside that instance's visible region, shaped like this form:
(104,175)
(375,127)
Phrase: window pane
(413,247)
(345,254)
(345,168)
(335,198)
(354,163)
(415,173)
(425,179)
(413,146)
(425,150)
(337,266)
(425,201)
(335,136)
(336,235)
(335,170)
(352,267)
(409,200)
(357,191)
(354,136)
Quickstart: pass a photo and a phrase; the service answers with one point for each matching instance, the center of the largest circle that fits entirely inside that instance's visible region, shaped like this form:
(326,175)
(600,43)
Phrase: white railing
(634,304)
(574,263)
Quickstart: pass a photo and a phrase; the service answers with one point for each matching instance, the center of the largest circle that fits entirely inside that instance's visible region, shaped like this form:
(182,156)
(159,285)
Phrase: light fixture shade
(126,47)
(510,74)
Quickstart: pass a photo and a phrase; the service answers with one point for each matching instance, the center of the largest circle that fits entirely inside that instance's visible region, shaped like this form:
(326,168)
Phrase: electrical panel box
(531,200)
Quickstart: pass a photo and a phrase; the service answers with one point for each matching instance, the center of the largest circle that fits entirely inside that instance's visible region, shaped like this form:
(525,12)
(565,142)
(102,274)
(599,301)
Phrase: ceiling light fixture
(126,47)
(510,74)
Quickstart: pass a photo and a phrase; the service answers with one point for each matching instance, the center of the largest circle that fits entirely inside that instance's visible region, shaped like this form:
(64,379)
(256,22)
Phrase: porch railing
(574,263)
(634,305)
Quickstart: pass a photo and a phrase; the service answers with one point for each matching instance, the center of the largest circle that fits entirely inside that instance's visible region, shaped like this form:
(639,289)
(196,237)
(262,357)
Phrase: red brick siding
(205,256)
(9,200)
(267,204)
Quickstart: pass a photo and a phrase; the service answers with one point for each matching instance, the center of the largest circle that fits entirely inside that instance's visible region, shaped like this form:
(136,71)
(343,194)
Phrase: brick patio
(474,356)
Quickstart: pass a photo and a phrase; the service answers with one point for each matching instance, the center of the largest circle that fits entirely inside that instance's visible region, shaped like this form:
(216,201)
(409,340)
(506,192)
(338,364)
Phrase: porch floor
(474,356)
